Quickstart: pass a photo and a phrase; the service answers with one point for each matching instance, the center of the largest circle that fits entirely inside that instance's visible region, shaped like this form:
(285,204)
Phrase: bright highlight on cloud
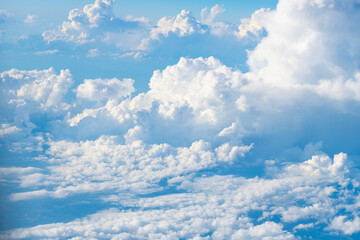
(92,22)
(97,89)
(210,149)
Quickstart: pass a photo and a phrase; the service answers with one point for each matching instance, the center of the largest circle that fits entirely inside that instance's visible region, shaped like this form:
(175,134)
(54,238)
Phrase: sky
(180,119)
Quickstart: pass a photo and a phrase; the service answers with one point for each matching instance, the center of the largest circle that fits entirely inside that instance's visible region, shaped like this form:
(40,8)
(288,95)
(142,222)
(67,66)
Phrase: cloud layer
(221,207)
(208,150)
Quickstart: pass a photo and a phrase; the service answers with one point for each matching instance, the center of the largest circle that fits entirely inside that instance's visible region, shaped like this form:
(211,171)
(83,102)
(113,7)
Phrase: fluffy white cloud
(204,85)
(104,164)
(74,121)
(43,87)
(204,98)
(80,21)
(339,88)
(191,222)
(15,171)
(183,24)
(8,129)
(29,94)
(217,207)
(320,165)
(98,89)
(346,226)
(208,16)
(226,152)
(96,22)
(197,97)
(228,130)
(254,25)
(185,132)
(307,46)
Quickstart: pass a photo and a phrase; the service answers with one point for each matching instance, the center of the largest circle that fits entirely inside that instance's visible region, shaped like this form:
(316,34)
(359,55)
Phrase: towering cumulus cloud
(211,149)
(313,44)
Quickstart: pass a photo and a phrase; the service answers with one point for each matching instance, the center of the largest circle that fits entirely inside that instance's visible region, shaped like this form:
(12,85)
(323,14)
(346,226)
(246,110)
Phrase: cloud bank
(209,151)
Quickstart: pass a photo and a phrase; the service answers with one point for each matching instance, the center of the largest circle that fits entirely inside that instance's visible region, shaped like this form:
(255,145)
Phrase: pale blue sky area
(56,10)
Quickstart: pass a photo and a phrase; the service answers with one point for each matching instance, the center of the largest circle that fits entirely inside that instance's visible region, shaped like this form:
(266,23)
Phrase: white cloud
(193,120)
(209,16)
(93,52)
(346,226)
(29,195)
(204,85)
(15,172)
(229,130)
(104,164)
(294,213)
(74,121)
(182,25)
(203,97)
(46,52)
(320,165)
(43,87)
(190,222)
(339,89)
(187,96)
(254,25)
(25,143)
(218,207)
(30,19)
(96,22)
(25,94)
(8,129)
(308,47)
(241,103)
(80,21)
(267,230)
(186,25)
(303,226)
(229,153)
(98,89)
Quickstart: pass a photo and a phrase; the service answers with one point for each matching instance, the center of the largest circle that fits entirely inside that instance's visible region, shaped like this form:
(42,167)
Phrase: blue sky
(180,119)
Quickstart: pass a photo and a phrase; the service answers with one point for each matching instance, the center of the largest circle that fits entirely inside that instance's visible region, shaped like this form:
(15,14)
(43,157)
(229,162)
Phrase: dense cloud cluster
(43,87)
(209,151)
(321,56)
(96,23)
(101,165)
(221,207)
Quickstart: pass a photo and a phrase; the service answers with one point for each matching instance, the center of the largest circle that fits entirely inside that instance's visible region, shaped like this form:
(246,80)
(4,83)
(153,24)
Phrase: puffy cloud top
(309,42)
(254,25)
(183,24)
(203,84)
(44,87)
(90,23)
(97,89)
(171,161)
(104,164)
